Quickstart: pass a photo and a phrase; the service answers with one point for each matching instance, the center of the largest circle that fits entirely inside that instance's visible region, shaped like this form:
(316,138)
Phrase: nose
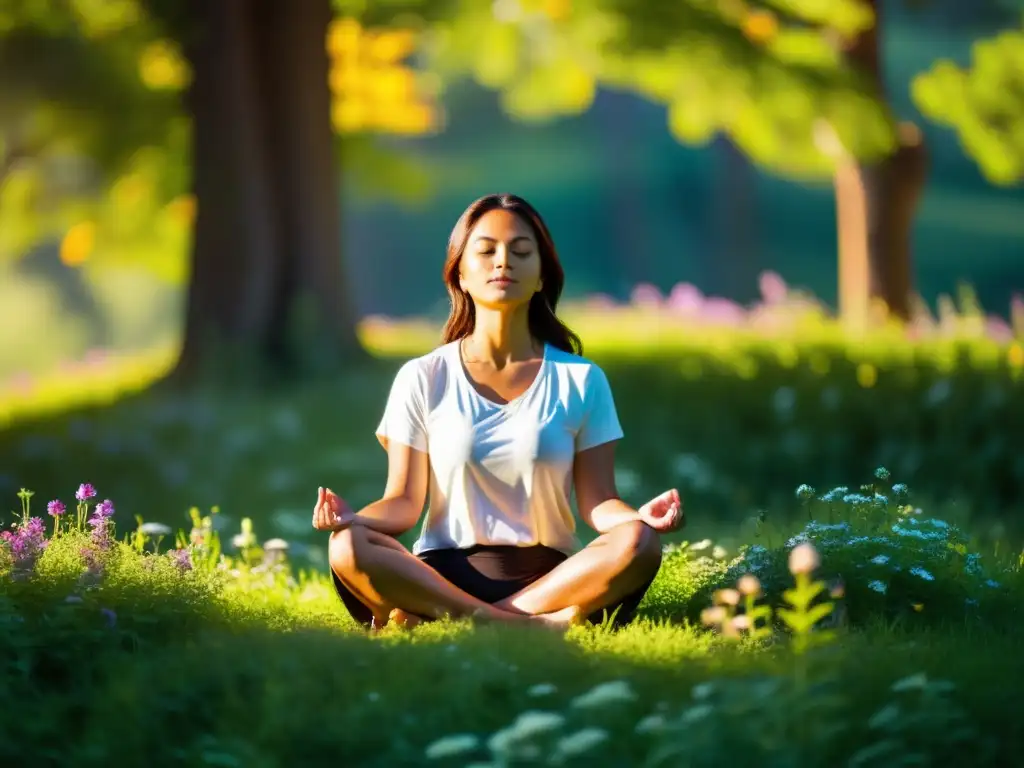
(501,258)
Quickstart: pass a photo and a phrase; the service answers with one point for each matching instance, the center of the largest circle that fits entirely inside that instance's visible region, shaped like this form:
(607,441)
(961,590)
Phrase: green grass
(237,662)
(240,660)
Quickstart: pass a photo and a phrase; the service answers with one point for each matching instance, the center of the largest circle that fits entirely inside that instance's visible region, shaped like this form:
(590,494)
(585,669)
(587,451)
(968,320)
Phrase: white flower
(719,553)
(541,689)
(579,742)
(878,586)
(449,746)
(700,545)
(155,529)
(919,680)
(528,724)
(275,545)
(605,693)
(650,724)
(880,559)
(803,559)
(922,573)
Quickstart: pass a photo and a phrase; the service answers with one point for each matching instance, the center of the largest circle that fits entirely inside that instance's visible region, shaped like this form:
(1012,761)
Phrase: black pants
(493,573)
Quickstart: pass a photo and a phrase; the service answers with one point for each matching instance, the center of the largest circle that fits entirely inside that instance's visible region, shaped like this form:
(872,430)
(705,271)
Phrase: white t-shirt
(500,473)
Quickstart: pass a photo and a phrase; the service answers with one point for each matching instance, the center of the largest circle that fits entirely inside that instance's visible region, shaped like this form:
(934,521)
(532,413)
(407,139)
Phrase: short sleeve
(404,419)
(600,423)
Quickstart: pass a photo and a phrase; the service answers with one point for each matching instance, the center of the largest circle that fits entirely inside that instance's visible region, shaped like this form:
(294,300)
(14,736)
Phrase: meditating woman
(495,427)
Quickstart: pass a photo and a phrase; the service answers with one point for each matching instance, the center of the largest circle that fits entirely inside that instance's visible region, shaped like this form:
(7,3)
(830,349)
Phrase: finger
(675,496)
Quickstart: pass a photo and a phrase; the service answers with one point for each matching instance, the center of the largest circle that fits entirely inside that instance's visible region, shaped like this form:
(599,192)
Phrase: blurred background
(792,232)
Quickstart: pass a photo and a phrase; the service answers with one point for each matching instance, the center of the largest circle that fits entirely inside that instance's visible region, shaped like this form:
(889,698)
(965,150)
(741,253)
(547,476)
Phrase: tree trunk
(267,293)
(875,207)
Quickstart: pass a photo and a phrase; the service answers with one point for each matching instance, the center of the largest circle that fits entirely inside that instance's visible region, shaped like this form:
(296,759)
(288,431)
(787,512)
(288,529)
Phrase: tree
(983,103)
(770,78)
(267,290)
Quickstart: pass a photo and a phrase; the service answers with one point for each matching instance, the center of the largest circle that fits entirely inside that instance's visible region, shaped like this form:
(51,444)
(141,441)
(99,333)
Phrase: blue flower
(856,498)
(804,492)
(882,473)
(900,489)
(878,586)
(922,573)
(881,500)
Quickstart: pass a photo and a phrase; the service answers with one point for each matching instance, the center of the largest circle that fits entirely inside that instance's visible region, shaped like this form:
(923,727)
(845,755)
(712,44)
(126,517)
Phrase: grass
(900,650)
(136,652)
(735,417)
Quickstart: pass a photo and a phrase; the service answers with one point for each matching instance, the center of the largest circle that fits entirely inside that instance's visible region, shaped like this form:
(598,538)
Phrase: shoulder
(419,372)
(582,372)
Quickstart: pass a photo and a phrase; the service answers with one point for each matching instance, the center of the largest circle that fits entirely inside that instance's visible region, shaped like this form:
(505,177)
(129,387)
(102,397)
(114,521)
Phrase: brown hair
(544,323)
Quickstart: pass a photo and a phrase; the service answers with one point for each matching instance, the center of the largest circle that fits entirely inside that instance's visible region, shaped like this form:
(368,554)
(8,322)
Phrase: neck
(502,337)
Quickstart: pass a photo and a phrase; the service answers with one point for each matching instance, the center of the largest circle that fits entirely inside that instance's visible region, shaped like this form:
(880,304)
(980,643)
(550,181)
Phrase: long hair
(544,324)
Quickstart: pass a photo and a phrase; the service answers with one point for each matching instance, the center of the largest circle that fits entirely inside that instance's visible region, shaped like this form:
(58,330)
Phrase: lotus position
(494,429)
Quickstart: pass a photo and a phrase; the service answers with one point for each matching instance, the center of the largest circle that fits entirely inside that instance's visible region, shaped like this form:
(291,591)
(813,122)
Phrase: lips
(501,280)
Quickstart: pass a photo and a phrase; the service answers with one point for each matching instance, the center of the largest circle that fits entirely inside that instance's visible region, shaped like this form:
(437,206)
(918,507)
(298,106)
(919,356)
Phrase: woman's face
(500,266)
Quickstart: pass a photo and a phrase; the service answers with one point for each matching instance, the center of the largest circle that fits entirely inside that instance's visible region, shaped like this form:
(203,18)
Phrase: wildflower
(714,615)
(581,741)
(922,573)
(741,623)
(56,508)
(726,597)
(749,585)
(700,545)
(181,558)
(616,690)
(880,559)
(804,492)
(918,680)
(702,691)
(900,489)
(650,724)
(541,689)
(105,509)
(878,586)
(528,724)
(880,500)
(450,746)
(803,559)
(882,473)
(155,529)
(719,553)
(856,499)
(85,492)
(991,584)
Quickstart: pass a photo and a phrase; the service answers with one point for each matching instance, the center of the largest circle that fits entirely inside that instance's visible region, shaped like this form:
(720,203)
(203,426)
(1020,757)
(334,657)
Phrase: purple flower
(105,508)
(181,558)
(56,508)
(26,542)
(85,491)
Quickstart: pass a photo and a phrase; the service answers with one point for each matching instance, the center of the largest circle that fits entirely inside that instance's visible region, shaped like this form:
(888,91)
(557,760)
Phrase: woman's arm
(596,496)
(400,507)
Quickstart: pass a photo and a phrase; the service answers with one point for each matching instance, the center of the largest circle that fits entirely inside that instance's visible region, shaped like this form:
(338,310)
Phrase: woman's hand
(664,513)
(331,512)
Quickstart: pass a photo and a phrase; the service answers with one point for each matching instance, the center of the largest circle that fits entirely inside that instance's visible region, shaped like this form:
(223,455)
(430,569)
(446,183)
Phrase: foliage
(770,76)
(198,650)
(736,412)
(984,103)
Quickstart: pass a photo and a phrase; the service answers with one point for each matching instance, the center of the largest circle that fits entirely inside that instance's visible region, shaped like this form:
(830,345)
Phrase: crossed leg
(387,578)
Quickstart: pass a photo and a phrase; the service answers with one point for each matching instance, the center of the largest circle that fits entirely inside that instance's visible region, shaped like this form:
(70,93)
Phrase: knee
(346,551)
(640,546)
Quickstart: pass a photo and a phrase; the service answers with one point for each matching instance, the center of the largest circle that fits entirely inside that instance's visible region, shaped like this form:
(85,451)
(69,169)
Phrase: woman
(497,425)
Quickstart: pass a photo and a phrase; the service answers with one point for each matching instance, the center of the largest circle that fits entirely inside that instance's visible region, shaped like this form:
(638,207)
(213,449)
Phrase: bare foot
(561,620)
(403,619)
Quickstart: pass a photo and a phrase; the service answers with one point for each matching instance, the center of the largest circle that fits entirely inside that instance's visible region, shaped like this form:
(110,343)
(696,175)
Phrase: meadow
(879,629)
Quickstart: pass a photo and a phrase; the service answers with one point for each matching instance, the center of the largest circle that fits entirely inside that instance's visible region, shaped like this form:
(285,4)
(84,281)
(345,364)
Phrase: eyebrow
(494,240)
